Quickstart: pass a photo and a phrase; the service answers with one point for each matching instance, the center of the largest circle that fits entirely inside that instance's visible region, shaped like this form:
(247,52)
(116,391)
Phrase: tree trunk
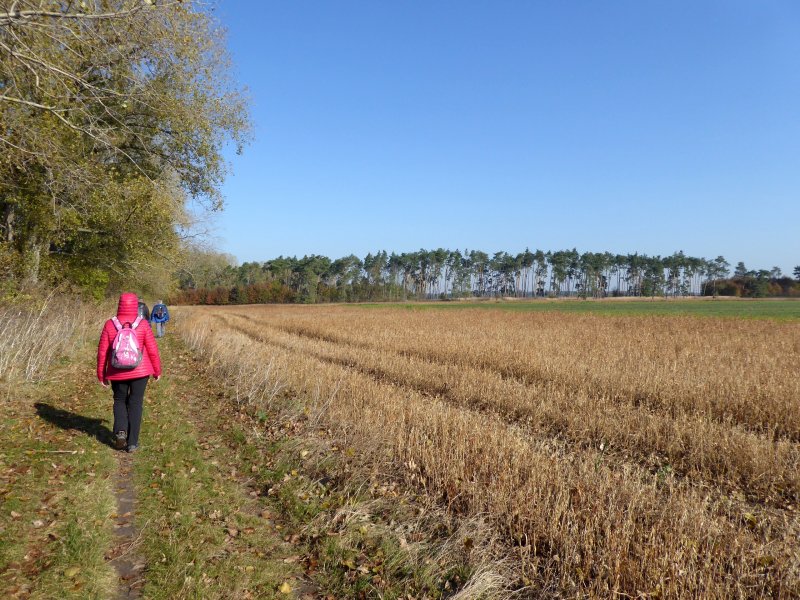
(33,260)
(8,223)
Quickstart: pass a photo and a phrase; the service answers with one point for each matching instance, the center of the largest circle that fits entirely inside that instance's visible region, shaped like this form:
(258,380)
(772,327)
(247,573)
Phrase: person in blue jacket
(159,315)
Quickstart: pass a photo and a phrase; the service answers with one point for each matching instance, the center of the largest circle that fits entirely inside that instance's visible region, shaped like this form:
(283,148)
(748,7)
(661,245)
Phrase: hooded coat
(127,311)
(164,314)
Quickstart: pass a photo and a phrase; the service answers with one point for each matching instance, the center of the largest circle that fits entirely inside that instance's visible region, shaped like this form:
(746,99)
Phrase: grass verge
(56,487)
(203,534)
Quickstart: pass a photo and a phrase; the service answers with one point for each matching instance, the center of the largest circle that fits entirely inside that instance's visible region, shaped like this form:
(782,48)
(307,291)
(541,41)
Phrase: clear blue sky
(620,125)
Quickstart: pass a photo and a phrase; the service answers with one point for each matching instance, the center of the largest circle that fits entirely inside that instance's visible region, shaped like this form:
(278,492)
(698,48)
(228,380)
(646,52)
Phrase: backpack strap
(119,325)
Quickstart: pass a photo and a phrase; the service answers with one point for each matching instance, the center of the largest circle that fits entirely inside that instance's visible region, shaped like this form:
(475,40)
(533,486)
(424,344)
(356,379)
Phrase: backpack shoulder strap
(116,323)
(136,322)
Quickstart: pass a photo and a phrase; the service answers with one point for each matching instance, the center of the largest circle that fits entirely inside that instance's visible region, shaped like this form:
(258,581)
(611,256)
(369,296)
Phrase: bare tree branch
(13,16)
(51,109)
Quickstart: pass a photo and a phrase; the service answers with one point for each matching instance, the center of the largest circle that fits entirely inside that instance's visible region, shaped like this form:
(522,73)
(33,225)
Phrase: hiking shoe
(133,447)
(120,440)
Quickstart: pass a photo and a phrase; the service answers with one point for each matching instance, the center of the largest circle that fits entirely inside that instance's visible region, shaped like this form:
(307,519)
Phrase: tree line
(212,278)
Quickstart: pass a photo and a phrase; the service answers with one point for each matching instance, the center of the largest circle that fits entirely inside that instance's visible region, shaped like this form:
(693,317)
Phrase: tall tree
(480,270)
(718,269)
(559,262)
(113,113)
(539,275)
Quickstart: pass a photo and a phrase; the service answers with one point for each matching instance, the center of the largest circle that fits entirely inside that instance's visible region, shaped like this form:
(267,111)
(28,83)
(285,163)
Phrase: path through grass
(207,530)
(200,531)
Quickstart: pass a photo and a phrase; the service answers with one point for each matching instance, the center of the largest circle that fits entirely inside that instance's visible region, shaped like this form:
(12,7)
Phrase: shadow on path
(70,420)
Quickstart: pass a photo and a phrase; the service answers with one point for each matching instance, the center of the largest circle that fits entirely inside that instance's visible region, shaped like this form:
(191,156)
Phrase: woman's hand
(104,384)
(156,377)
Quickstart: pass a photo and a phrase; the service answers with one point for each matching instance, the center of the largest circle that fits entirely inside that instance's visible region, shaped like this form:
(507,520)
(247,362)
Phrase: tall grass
(254,381)
(407,529)
(33,336)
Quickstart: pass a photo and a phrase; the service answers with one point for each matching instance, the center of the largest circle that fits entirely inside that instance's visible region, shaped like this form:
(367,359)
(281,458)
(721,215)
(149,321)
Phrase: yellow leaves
(71,572)
(285,588)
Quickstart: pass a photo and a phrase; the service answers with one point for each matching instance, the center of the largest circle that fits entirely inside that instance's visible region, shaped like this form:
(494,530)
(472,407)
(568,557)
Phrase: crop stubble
(637,455)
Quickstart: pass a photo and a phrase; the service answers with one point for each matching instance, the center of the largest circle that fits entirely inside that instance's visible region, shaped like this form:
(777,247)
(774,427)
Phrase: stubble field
(638,456)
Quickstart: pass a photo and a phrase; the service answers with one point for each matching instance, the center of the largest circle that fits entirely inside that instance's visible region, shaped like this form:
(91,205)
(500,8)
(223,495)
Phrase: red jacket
(127,312)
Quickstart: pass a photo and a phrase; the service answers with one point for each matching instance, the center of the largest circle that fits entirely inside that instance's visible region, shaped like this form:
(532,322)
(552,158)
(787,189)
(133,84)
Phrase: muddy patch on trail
(124,555)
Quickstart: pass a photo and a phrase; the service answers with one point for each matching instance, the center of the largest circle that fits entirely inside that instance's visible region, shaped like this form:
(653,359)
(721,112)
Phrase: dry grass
(32,337)
(766,469)
(732,371)
(634,456)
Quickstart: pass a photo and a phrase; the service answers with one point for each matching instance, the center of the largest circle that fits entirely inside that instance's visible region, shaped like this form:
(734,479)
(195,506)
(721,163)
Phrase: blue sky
(620,125)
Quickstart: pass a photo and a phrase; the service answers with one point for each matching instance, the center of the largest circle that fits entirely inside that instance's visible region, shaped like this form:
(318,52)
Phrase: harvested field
(644,456)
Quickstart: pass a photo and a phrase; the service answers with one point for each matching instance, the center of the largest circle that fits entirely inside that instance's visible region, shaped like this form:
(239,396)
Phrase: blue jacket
(154,318)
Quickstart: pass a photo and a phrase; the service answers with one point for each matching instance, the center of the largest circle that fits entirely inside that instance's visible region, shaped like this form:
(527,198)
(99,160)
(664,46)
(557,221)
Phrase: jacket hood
(128,308)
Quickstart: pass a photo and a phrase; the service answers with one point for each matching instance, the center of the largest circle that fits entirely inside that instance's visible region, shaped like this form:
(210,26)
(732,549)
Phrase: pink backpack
(125,351)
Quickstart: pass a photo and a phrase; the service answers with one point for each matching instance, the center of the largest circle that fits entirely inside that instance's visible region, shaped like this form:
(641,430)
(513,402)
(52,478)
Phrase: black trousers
(128,405)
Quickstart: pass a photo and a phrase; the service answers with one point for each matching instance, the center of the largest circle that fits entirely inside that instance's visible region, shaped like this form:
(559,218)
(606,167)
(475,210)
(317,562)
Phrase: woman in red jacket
(128,384)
